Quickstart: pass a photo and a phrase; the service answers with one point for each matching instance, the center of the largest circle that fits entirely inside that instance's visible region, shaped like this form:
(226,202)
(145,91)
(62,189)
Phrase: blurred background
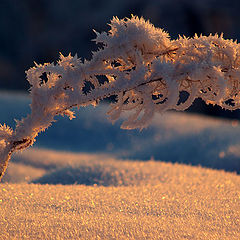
(39,30)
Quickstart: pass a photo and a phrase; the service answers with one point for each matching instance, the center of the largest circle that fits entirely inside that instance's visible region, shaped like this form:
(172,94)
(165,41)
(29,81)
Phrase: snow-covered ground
(88,179)
(152,200)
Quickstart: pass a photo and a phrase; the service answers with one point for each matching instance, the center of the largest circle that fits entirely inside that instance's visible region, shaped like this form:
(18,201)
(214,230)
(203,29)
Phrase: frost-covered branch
(142,67)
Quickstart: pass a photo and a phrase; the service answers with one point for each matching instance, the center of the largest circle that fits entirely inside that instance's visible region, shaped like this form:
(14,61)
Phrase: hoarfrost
(142,67)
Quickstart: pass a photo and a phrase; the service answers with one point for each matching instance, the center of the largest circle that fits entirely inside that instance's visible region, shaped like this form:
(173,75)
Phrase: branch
(142,67)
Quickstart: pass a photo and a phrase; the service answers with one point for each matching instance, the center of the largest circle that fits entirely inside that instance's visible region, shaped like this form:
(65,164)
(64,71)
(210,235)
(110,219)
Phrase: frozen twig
(142,67)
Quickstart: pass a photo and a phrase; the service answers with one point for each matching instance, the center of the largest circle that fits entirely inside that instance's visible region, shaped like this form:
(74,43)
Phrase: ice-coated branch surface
(142,67)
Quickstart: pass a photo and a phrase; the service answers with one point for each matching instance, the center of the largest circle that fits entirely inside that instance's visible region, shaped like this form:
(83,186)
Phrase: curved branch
(142,67)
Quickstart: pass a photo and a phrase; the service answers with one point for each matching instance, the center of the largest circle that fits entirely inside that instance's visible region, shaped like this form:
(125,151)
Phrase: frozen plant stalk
(142,67)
